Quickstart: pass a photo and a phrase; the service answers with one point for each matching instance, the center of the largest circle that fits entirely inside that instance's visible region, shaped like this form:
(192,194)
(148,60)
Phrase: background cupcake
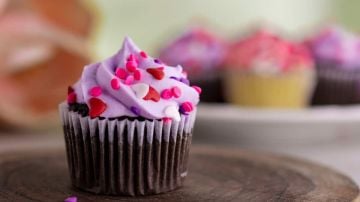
(201,53)
(128,125)
(337,56)
(267,71)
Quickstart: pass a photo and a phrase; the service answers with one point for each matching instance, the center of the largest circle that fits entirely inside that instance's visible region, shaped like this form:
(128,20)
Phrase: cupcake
(128,125)
(266,71)
(201,53)
(337,57)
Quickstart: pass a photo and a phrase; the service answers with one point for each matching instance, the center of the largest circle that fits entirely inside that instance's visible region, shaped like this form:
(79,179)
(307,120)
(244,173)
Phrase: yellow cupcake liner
(285,90)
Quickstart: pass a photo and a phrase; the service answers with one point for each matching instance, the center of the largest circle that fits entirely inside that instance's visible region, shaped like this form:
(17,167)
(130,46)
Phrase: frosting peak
(131,83)
(266,52)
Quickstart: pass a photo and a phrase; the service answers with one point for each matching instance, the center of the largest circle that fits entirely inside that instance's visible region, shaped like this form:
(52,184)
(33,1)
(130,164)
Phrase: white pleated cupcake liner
(126,157)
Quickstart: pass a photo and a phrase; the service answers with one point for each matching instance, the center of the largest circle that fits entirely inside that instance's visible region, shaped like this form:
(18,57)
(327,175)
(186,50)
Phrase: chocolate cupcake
(128,125)
(337,57)
(202,54)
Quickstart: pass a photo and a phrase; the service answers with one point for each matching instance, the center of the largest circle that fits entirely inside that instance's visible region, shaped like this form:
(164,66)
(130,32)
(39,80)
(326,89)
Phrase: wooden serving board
(214,175)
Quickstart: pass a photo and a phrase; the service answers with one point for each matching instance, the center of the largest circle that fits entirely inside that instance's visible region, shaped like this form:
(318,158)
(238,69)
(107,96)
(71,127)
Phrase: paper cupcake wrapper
(126,157)
(285,90)
(336,86)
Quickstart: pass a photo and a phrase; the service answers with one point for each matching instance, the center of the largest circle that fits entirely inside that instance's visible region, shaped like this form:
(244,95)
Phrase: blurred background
(45,44)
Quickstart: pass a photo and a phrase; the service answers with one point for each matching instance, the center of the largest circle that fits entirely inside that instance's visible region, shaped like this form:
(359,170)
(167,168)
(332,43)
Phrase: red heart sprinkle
(97,107)
(157,73)
(70,90)
(71,98)
(152,95)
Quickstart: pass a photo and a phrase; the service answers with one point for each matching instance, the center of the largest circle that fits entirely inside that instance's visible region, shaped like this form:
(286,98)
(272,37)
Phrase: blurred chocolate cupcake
(337,55)
(201,53)
(128,125)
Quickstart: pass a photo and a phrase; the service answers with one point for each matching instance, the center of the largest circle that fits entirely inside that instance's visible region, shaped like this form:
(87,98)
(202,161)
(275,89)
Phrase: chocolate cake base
(336,87)
(120,168)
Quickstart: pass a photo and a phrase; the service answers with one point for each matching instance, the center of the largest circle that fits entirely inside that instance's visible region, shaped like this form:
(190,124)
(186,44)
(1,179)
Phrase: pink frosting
(122,92)
(265,51)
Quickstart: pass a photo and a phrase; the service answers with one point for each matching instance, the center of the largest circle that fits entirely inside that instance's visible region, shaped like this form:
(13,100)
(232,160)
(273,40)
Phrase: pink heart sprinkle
(95,91)
(131,65)
(143,54)
(71,98)
(121,73)
(115,84)
(198,89)
(176,92)
(166,94)
(137,75)
(129,80)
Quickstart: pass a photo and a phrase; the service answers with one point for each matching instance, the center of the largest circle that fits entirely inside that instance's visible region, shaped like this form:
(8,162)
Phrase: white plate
(327,135)
(259,128)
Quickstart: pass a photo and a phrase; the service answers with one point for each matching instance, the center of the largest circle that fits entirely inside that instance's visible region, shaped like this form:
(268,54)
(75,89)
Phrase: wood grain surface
(214,175)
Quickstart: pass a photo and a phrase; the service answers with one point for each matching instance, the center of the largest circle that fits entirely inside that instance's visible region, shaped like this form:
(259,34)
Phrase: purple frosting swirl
(336,46)
(197,50)
(125,99)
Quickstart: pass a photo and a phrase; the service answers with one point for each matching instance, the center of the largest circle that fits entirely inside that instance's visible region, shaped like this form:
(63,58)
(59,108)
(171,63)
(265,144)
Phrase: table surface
(341,157)
(241,176)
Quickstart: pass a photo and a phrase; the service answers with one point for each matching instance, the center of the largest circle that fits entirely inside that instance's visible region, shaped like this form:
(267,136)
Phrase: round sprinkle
(187,106)
(71,98)
(131,57)
(115,84)
(197,88)
(131,65)
(185,81)
(176,92)
(95,91)
(166,94)
(121,73)
(135,110)
(137,75)
(143,54)
(129,80)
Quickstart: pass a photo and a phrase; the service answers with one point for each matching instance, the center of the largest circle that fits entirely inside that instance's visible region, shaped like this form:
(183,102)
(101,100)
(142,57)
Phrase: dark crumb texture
(83,110)
(80,108)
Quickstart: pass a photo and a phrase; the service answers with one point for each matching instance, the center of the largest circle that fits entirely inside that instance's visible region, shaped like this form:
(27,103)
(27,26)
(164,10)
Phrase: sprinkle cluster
(131,76)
